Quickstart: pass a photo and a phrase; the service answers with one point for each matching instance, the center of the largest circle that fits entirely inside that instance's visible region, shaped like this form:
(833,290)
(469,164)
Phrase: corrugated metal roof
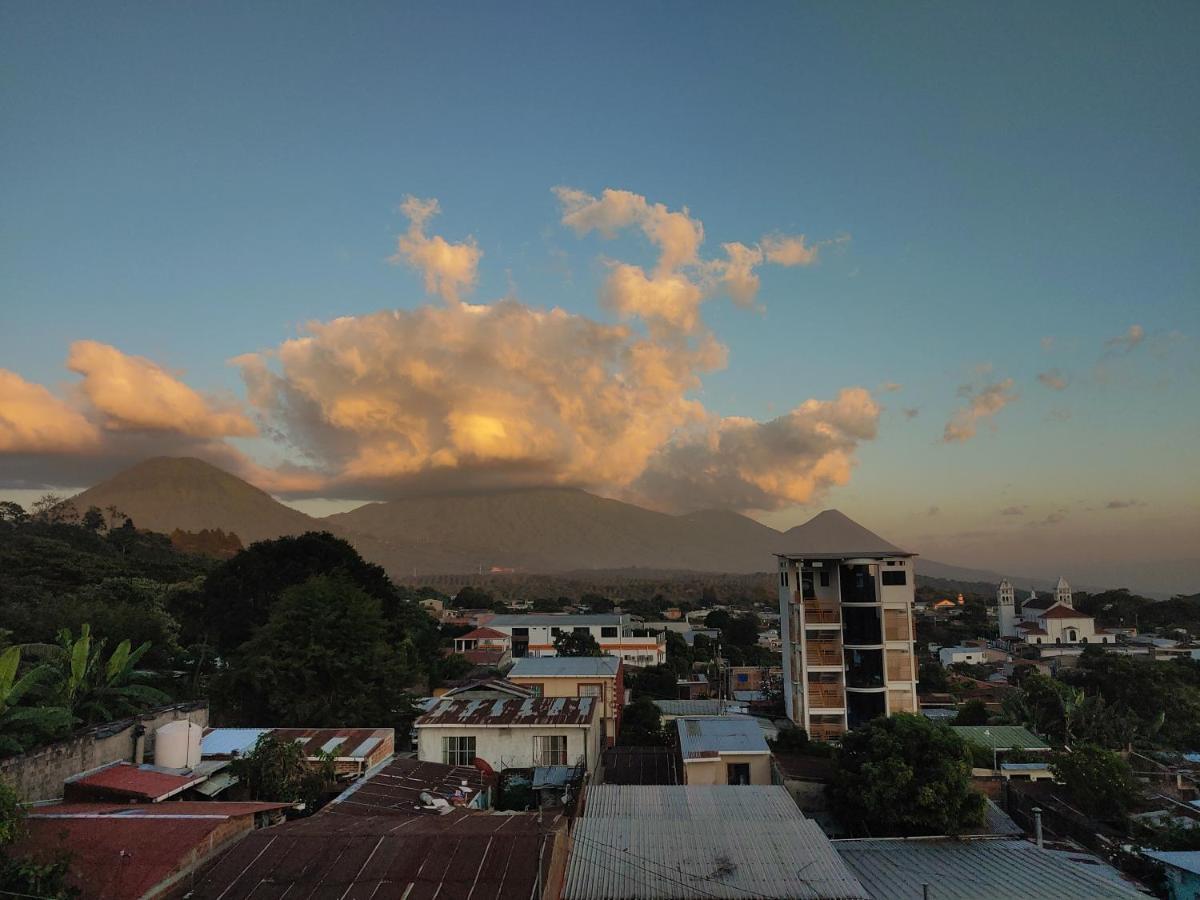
(565,667)
(566,711)
(1187,860)
(832,534)
(702,737)
(1000,737)
(397,787)
(640,765)
(655,843)
(985,869)
(541,621)
(689,707)
(141,782)
(228,741)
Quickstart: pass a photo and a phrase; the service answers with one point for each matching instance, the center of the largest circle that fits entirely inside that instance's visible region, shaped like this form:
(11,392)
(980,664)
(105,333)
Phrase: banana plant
(20,725)
(98,690)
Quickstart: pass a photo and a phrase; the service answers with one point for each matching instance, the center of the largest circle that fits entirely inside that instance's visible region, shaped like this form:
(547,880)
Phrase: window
(589,690)
(895,579)
(550,750)
(783,578)
(538,690)
(520,632)
(742,677)
(739,773)
(806,585)
(609,631)
(555,630)
(583,629)
(824,579)
(458,751)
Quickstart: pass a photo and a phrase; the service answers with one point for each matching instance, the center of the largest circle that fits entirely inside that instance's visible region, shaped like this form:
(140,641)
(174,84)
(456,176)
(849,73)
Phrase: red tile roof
(483,657)
(483,633)
(1063,612)
(140,783)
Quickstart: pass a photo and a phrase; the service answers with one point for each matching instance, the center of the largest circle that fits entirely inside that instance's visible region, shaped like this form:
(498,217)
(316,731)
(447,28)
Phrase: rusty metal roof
(137,782)
(398,785)
(560,711)
(343,743)
(461,854)
(177,809)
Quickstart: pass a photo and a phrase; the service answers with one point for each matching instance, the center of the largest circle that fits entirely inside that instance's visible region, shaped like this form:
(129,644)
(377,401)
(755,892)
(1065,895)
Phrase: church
(1048,620)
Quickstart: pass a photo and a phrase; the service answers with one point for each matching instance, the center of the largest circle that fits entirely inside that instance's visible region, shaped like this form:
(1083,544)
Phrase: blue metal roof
(227,741)
(565,667)
(707,736)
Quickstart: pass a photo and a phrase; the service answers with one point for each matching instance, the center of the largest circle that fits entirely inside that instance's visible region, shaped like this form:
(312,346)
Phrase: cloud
(1054,518)
(1013,511)
(933,510)
(449,269)
(1047,344)
(460,396)
(32,420)
(890,387)
(1053,379)
(1123,343)
(789,250)
(738,463)
(1123,504)
(911,412)
(982,403)
(132,393)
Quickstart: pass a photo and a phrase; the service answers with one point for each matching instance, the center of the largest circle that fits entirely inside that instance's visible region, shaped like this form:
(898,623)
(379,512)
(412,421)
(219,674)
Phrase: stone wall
(39,774)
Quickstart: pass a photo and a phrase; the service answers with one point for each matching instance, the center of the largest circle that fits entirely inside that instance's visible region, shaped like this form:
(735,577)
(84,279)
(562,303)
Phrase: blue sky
(191,183)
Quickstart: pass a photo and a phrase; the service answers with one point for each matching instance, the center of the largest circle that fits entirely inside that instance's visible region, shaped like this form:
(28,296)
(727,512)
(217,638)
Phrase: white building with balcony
(534,635)
(845,606)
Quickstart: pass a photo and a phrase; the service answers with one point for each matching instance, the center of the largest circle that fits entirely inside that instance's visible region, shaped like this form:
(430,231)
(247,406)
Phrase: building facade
(846,620)
(1049,620)
(599,677)
(533,635)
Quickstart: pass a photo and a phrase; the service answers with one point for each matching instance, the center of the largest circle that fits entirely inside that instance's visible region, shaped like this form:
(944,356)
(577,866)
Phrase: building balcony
(818,613)
(826,696)
(864,670)
(899,667)
(863,627)
(858,584)
(897,631)
(823,653)
(826,732)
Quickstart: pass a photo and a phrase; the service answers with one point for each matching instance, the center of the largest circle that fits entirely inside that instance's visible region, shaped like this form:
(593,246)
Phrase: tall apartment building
(846,619)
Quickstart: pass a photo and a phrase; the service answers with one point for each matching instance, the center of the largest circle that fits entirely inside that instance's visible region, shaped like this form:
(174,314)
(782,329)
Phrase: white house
(533,635)
(1048,620)
(949,656)
(511,733)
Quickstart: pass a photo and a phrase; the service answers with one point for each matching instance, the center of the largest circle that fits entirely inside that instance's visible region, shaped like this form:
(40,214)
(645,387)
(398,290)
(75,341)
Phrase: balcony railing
(899,667)
(818,613)
(826,696)
(826,732)
(823,653)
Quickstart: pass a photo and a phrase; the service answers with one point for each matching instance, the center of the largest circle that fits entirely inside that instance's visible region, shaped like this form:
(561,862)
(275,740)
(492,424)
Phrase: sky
(935,265)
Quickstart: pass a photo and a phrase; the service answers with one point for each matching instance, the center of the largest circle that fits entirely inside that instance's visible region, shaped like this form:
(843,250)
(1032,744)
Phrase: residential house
(690,843)
(694,687)
(723,750)
(845,604)
(511,733)
(1183,872)
(534,635)
(398,786)
(753,678)
(485,646)
(600,677)
(950,656)
(354,750)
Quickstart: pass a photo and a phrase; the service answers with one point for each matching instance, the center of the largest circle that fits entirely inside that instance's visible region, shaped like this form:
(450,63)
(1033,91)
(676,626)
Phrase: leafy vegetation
(904,775)
(276,771)
(22,875)
(1098,781)
(641,724)
(576,643)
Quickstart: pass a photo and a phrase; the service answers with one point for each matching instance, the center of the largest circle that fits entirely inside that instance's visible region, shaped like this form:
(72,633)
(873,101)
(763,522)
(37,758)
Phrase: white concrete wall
(511,748)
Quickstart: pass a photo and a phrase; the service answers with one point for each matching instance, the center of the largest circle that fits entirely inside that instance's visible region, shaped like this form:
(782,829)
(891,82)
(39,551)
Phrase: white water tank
(177,745)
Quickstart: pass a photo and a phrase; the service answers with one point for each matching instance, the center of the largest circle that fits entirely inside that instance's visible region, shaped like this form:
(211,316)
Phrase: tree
(597,603)
(679,654)
(323,659)
(718,618)
(641,724)
(742,631)
(21,726)
(904,775)
(96,689)
(655,682)
(12,515)
(93,519)
(277,771)
(1099,782)
(973,712)
(933,678)
(22,876)
(577,643)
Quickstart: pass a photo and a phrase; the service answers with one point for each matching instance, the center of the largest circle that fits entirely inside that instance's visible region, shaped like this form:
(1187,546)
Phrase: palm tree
(20,725)
(95,690)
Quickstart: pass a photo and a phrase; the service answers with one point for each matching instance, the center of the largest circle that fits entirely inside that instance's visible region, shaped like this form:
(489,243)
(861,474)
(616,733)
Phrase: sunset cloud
(449,269)
(788,250)
(1123,343)
(982,403)
(463,396)
(1053,379)
(132,393)
(32,420)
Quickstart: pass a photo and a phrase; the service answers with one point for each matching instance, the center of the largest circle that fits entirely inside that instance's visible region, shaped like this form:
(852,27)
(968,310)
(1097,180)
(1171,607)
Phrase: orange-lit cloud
(982,403)
(789,250)
(32,420)
(465,396)
(132,393)
(449,269)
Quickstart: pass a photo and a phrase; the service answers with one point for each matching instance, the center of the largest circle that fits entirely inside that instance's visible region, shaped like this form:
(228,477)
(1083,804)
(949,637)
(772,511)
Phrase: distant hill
(544,530)
(168,493)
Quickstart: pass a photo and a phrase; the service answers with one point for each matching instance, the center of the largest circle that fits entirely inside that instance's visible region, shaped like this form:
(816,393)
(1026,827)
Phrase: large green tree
(324,658)
(641,724)
(904,775)
(277,771)
(1099,782)
(577,643)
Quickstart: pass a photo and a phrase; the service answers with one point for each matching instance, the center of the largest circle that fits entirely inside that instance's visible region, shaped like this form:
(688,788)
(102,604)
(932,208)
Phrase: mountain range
(542,530)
